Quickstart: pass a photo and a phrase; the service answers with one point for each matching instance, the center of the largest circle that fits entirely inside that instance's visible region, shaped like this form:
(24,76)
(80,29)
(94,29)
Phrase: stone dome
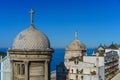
(76,45)
(31,38)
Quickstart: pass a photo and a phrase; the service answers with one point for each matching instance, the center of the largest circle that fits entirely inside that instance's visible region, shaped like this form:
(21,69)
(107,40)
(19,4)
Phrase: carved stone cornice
(31,52)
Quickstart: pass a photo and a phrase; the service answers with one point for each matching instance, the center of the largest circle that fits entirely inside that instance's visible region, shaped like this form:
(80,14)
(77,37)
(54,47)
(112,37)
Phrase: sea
(57,57)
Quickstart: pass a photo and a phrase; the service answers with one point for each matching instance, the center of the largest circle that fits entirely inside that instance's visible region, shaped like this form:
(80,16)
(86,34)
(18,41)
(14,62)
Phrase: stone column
(12,69)
(46,70)
(26,70)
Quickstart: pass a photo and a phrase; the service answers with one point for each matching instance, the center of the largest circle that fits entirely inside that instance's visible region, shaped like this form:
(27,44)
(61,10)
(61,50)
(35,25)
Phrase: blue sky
(97,21)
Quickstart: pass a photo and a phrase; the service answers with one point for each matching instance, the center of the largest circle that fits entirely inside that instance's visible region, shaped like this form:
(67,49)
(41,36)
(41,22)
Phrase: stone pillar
(46,70)
(12,69)
(26,70)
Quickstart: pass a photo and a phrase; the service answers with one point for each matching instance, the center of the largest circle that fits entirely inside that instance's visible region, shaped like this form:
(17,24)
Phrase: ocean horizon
(57,57)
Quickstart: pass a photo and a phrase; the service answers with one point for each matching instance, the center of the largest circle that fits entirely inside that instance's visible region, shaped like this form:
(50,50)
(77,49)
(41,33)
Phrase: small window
(18,69)
(22,69)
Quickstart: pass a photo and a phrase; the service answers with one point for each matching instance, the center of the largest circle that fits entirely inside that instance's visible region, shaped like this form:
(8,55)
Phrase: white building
(111,56)
(73,61)
(103,65)
(114,47)
(5,68)
(104,49)
(93,68)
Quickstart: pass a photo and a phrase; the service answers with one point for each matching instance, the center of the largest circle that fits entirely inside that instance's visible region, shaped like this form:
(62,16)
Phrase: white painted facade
(94,68)
(93,60)
(75,70)
(5,68)
(73,59)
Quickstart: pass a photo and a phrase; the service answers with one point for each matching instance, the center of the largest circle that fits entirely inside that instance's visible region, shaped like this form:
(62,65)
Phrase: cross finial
(31,15)
(76,35)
